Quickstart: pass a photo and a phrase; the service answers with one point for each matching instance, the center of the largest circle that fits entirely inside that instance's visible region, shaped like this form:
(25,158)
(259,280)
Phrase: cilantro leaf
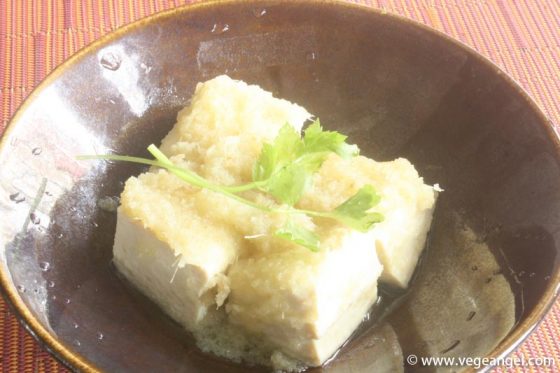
(288,143)
(285,167)
(311,162)
(288,185)
(286,147)
(316,140)
(299,235)
(266,164)
(354,211)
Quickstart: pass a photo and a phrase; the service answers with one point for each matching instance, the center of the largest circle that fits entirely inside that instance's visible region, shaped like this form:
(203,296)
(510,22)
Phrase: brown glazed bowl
(491,268)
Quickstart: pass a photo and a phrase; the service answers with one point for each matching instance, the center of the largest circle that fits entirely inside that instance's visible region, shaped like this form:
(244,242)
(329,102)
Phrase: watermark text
(480,362)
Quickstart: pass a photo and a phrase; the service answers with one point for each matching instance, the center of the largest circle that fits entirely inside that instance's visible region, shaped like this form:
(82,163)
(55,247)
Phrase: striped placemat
(522,36)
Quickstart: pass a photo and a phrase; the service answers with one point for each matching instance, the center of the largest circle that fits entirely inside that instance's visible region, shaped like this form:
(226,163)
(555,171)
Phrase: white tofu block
(307,304)
(167,249)
(179,291)
(221,133)
(406,203)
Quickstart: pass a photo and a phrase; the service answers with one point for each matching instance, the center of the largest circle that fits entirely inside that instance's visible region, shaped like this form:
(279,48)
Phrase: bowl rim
(74,360)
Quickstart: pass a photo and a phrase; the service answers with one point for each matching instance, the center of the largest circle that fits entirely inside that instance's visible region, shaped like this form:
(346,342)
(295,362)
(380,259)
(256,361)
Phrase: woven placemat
(521,36)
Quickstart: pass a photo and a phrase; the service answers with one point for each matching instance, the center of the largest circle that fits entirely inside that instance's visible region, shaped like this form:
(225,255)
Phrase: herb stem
(186,175)
(158,154)
(243,187)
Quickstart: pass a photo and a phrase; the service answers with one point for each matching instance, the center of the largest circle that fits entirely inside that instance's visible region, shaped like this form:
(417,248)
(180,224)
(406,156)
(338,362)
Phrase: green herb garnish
(302,236)
(284,170)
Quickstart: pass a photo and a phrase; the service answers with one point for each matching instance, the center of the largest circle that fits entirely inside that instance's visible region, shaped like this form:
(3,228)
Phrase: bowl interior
(397,90)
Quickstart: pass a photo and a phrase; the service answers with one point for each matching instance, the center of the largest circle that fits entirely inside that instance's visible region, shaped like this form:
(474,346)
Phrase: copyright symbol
(412,359)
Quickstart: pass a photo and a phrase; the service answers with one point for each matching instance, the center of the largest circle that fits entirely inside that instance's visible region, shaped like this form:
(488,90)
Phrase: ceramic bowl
(398,89)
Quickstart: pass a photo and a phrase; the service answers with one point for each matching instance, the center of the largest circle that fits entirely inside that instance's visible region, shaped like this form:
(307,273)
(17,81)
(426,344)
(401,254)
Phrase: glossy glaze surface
(395,88)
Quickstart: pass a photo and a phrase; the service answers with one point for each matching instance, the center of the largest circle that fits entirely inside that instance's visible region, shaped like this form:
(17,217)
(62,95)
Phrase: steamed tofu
(194,251)
(406,203)
(171,251)
(304,303)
